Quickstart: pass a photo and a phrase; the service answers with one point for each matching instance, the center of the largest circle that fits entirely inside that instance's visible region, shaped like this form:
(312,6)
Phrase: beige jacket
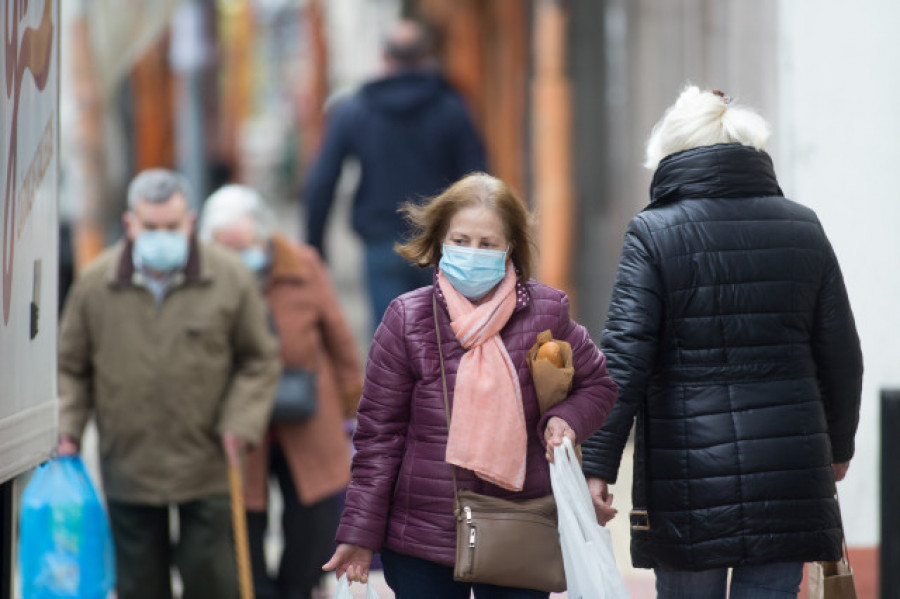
(165,381)
(314,335)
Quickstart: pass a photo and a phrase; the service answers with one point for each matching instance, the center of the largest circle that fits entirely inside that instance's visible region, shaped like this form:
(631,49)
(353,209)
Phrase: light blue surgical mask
(472,271)
(254,258)
(162,251)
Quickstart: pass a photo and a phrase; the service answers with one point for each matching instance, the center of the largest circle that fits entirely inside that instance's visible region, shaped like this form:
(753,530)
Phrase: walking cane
(239,524)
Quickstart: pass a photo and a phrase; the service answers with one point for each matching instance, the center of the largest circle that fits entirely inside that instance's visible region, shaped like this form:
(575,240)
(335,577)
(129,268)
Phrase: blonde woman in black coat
(732,341)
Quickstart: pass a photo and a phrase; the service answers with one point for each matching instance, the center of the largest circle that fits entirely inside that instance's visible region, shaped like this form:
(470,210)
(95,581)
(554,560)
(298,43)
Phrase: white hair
(230,203)
(704,118)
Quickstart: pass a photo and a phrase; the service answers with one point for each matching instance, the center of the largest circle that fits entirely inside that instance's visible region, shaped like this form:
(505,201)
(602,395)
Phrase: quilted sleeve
(380,436)
(593,390)
(630,340)
(839,361)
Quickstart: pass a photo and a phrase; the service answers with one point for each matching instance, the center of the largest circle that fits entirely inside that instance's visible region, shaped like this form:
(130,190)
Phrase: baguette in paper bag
(551,382)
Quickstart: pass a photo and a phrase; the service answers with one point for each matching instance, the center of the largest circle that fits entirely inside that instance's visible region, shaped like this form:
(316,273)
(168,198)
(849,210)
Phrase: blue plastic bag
(65,548)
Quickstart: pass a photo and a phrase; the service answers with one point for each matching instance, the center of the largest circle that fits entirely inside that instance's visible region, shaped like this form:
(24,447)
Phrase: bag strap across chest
(437,332)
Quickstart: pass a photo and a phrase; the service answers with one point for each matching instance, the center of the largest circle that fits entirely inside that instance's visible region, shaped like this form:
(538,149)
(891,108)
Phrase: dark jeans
(772,581)
(414,578)
(204,553)
(389,275)
(308,532)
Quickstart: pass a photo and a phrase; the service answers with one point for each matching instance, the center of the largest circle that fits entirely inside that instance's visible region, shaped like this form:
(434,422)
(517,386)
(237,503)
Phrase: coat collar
(287,262)
(196,269)
(523,298)
(717,171)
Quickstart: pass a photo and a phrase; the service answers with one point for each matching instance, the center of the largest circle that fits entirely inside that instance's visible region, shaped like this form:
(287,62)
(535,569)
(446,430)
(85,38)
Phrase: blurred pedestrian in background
(311,457)
(732,341)
(401,498)
(412,136)
(165,342)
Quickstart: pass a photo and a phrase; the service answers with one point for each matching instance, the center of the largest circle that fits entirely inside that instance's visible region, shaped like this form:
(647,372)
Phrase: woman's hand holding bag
(586,546)
(556,430)
(350,561)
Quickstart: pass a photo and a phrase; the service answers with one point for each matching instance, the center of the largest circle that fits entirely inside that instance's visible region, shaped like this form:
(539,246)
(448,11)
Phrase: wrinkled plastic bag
(588,558)
(65,548)
(343,590)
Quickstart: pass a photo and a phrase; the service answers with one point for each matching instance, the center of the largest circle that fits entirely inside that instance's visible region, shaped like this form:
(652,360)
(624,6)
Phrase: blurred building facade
(564,93)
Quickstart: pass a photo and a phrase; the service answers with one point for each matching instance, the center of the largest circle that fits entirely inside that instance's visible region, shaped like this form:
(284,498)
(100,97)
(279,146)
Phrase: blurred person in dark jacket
(731,338)
(310,458)
(412,136)
(164,341)
(490,311)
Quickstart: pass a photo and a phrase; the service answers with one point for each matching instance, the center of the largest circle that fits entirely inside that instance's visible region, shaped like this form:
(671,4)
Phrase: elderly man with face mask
(165,342)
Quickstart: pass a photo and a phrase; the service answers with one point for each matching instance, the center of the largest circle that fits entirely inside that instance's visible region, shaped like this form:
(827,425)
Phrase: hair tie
(721,94)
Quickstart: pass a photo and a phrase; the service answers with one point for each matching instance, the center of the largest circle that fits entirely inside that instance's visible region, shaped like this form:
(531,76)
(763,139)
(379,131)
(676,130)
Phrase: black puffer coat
(731,338)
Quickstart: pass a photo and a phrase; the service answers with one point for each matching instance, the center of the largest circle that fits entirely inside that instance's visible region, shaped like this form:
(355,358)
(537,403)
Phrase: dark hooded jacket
(412,136)
(732,341)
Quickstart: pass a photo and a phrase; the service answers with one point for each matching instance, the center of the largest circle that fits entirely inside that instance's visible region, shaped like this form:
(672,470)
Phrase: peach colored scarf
(487,429)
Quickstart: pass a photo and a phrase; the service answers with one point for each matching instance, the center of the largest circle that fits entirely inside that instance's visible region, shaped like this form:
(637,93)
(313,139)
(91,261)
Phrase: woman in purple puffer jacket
(400,499)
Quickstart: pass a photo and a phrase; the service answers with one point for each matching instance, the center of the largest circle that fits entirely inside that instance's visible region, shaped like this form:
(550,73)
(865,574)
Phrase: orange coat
(314,335)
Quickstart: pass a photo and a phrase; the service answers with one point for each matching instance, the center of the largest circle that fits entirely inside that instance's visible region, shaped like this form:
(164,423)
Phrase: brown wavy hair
(431,219)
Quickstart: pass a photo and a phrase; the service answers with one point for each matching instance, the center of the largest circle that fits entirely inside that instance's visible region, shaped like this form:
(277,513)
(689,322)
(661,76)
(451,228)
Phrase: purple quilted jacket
(401,493)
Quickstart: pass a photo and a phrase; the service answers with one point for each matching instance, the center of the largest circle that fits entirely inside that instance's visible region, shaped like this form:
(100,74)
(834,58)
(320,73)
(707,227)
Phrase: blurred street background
(564,94)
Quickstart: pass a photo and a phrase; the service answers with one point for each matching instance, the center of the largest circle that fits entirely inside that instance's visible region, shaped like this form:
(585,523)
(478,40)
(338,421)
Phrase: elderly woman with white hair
(309,454)
(732,341)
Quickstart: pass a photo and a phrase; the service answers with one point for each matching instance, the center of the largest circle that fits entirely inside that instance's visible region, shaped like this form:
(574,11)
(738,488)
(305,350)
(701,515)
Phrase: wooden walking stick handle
(239,524)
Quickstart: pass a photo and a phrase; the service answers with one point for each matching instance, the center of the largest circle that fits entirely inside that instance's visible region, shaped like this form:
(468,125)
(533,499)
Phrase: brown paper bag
(831,580)
(551,383)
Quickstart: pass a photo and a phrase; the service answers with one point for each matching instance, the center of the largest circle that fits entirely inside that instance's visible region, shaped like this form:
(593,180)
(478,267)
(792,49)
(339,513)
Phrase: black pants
(204,553)
(308,532)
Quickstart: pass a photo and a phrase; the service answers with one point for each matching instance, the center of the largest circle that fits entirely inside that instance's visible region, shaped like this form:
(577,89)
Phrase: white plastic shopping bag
(343,590)
(591,571)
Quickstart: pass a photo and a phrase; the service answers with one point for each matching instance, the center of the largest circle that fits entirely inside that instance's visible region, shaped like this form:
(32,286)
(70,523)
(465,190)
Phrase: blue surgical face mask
(162,251)
(473,272)
(254,258)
